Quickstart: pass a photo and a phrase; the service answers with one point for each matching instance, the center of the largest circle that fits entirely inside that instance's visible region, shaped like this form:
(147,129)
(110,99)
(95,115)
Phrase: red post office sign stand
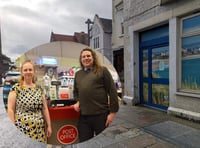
(67,134)
(64,122)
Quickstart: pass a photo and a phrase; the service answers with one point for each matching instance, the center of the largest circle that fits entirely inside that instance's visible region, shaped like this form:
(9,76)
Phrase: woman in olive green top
(96,96)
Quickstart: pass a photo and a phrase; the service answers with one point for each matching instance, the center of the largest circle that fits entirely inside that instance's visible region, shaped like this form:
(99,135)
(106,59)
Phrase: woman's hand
(110,118)
(49,131)
(77,106)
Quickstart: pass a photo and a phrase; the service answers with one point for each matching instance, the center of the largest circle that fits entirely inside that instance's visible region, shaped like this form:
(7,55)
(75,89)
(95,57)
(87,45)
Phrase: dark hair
(96,64)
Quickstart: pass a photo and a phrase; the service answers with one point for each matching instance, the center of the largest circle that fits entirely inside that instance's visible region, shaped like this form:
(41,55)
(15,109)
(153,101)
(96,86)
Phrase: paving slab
(134,126)
(179,134)
(144,140)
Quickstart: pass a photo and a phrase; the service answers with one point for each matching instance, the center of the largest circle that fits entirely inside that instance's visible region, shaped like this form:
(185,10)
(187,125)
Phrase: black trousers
(91,125)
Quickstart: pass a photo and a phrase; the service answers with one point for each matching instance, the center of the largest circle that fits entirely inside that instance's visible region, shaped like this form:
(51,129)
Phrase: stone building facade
(100,36)
(161,54)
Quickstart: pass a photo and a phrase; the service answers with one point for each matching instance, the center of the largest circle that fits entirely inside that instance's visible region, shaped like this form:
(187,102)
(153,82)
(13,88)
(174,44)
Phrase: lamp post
(88,22)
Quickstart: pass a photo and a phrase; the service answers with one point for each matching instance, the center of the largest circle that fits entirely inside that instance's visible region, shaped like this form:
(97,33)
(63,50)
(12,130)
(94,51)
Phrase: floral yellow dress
(28,115)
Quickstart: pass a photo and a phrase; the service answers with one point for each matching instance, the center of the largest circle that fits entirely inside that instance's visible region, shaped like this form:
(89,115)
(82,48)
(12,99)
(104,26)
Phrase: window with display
(190,43)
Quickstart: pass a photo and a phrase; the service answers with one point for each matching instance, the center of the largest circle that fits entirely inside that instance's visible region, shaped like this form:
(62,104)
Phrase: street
(134,126)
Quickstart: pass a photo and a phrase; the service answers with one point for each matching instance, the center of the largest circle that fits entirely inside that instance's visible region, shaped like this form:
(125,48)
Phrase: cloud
(26,24)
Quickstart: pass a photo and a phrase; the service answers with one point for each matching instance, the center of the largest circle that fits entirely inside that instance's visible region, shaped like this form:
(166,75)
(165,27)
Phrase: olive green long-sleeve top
(93,90)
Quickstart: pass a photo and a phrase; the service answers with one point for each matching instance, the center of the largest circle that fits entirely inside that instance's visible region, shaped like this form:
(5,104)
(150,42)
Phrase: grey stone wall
(140,15)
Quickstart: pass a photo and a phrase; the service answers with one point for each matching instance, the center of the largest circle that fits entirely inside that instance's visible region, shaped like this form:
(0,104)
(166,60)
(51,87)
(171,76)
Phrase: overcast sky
(26,24)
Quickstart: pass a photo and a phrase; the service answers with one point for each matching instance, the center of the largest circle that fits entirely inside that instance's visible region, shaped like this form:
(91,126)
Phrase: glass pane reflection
(160,94)
(145,92)
(190,63)
(145,63)
(160,62)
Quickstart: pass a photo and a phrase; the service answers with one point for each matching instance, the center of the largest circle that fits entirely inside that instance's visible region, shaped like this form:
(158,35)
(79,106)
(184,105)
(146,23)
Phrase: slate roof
(106,24)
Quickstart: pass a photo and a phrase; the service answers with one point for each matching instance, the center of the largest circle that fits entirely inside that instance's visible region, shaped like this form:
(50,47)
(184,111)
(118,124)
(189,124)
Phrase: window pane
(191,24)
(155,33)
(191,43)
(145,92)
(191,63)
(160,62)
(190,73)
(160,94)
(145,63)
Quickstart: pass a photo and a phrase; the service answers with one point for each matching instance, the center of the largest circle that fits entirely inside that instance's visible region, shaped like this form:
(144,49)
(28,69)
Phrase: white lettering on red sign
(67,134)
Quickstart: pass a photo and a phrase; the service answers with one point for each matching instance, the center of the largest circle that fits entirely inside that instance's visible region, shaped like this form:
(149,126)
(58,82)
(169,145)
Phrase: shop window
(190,43)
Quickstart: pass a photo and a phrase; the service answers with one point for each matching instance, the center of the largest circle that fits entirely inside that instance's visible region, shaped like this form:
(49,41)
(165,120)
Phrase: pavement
(134,127)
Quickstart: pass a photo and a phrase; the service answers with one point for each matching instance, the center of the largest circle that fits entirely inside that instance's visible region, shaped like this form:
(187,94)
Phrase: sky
(26,24)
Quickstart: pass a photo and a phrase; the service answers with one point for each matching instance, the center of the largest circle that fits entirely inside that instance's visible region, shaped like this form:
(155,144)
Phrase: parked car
(10,78)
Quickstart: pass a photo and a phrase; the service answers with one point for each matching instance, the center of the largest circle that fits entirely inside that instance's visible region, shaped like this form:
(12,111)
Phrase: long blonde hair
(96,64)
(21,80)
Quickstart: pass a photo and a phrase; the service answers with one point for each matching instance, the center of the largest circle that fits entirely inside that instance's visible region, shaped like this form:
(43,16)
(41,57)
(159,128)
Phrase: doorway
(154,68)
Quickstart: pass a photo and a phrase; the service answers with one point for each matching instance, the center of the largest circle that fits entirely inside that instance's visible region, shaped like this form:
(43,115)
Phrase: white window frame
(189,91)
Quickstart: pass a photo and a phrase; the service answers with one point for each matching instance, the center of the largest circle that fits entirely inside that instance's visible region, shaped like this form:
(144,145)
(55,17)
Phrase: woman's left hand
(110,118)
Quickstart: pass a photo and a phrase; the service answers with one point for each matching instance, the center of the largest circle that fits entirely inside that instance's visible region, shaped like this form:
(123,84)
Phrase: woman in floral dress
(27,107)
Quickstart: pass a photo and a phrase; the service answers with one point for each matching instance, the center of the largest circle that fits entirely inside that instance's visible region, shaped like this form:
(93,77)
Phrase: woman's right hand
(49,131)
(77,106)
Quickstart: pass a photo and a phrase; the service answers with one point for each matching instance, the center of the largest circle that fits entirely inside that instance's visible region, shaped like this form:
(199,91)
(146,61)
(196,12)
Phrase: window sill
(188,94)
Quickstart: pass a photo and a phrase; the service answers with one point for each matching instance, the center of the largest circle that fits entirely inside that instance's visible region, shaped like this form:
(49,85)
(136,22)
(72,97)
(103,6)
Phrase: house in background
(77,37)
(100,33)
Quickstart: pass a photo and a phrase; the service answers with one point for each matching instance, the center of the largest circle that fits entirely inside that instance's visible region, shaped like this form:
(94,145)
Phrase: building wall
(104,39)
(107,46)
(117,36)
(118,39)
(101,37)
(140,15)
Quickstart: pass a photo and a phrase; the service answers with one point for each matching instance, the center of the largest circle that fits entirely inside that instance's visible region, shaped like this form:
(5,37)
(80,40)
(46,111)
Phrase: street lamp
(88,22)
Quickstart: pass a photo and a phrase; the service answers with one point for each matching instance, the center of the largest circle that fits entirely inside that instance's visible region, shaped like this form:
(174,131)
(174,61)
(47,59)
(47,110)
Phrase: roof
(106,24)
(77,37)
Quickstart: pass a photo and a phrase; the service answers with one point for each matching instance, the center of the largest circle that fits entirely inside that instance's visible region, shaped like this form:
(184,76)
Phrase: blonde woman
(27,107)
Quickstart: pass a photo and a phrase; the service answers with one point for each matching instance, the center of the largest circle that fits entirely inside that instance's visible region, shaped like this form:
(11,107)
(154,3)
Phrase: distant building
(77,37)
(100,39)
(100,36)
(4,62)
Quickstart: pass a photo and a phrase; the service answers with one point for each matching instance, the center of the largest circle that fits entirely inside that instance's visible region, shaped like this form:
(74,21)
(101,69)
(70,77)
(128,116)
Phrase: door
(155,80)
(154,72)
